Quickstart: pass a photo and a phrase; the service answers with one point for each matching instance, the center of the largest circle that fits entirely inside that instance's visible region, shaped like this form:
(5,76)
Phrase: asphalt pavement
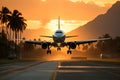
(61,70)
(41,71)
(87,70)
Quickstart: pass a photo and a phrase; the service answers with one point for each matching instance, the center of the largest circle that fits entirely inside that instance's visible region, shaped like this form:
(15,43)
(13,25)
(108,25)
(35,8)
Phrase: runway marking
(74,71)
(87,67)
(54,75)
(94,68)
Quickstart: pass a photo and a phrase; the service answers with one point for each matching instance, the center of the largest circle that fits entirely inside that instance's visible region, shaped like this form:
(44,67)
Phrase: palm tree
(17,24)
(4,13)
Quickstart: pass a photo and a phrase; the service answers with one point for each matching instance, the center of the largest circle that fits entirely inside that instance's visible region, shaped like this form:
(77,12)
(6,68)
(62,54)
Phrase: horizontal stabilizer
(71,36)
(46,36)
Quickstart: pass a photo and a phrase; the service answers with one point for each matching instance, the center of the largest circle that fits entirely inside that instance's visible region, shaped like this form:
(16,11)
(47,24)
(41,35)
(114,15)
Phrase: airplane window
(59,32)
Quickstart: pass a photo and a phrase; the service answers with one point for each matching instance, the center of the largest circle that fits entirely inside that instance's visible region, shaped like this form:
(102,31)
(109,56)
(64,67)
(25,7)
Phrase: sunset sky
(44,13)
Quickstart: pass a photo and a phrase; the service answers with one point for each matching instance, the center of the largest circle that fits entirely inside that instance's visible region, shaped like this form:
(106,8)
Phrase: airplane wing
(88,41)
(33,42)
(71,44)
(67,43)
(37,42)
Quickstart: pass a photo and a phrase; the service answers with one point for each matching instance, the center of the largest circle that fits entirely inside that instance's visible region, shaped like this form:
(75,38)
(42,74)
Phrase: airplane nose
(59,35)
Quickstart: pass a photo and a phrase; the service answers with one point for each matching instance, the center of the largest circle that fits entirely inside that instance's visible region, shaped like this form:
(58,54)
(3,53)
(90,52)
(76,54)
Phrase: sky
(44,13)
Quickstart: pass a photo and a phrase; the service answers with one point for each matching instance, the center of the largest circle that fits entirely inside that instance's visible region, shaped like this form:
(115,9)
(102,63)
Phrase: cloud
(101,3)
(45,10)
(66,25)
(33,24)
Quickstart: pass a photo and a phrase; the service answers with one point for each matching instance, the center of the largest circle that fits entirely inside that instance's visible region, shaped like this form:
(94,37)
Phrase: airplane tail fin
(59,22)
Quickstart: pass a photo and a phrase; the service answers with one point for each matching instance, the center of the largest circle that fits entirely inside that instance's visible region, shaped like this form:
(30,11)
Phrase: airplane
(59,41)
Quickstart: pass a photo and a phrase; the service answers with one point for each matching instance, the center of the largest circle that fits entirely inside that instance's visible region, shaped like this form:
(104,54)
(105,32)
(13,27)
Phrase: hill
(104,23)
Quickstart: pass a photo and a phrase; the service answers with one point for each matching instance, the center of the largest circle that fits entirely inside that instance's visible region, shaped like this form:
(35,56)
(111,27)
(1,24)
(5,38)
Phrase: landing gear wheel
(58,49)
(48,51)
(69,52)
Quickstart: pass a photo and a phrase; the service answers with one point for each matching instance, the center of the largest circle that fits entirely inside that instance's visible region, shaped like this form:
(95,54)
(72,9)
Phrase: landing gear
(69,52)
(48,51)
(58,49)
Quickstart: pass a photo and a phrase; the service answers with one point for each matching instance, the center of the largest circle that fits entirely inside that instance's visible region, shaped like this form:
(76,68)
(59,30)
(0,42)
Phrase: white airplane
(59,41)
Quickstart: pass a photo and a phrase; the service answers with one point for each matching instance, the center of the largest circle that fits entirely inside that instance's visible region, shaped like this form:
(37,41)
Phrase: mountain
(104,23)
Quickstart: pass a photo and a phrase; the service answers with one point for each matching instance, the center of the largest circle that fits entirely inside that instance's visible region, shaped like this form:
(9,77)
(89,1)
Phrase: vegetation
(109,48)
(14,24)
(17,24)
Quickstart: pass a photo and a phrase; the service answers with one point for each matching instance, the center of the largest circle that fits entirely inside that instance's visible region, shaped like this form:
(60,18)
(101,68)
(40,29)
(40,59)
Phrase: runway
(87,70)
(39,71)
(63,70)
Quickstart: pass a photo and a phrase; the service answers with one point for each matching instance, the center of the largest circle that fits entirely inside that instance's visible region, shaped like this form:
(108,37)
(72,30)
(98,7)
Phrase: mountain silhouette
(108,23)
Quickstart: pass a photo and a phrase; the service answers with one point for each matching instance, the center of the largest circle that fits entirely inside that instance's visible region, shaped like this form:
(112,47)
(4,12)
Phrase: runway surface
(41,71)
(87,70)
(62,70)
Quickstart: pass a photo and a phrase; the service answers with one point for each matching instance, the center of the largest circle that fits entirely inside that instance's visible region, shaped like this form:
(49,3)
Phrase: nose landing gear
(48,51)
(58,49)
(69,51)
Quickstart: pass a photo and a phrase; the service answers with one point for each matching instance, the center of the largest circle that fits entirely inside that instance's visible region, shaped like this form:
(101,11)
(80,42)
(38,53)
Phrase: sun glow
(43,0)
(33,24)
(66,25)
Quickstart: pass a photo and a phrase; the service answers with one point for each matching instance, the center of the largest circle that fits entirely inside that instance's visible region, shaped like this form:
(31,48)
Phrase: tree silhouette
(3,45)
(16,23)
(4,14)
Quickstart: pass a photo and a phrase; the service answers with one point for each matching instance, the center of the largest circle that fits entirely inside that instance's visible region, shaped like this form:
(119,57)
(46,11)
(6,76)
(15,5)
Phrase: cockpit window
(59,32)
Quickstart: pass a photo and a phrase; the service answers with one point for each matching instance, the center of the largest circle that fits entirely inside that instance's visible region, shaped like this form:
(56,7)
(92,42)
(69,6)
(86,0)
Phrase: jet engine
(72,45)
(44,45)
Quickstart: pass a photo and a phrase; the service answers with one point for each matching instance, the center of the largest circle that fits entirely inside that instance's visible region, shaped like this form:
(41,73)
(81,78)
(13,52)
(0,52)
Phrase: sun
(53,25)
(65,25)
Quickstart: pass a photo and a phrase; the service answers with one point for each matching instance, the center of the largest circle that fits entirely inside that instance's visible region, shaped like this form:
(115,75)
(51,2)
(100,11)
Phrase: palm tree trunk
(20,35)
(7,31)
(13,36)
(10,34)
(16,37)
(2,28)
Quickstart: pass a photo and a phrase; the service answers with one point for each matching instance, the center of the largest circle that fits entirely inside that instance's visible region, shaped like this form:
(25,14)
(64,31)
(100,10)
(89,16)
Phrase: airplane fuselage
(59,36)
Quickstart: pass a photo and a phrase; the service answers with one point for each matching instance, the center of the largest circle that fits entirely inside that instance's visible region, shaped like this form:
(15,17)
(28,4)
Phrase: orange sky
(42,13)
